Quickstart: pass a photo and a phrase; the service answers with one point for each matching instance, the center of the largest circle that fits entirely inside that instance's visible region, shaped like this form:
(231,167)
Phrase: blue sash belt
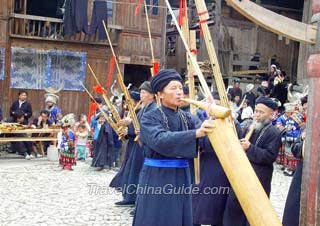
(166,163)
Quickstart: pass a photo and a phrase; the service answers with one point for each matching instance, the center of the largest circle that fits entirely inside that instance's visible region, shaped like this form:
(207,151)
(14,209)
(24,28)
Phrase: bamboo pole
(112,109)
(151,47)
(244,181)
(203,17)
(109,120)
(149,32)
(194,62)
(250,132)
(124,89)
(186,32)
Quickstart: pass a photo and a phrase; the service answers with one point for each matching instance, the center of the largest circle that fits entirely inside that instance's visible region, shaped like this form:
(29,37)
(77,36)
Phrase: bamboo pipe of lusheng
(151,47)
(112,109)
(191,40)
(124,89)
(244,181)
(109,120)
(194,62)
(250,132)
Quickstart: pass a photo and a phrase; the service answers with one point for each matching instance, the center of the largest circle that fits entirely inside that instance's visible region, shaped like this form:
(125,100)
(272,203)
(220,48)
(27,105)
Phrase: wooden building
(239,40)
(24,27)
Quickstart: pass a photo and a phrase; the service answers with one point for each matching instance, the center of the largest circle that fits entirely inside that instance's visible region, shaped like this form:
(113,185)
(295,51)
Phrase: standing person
(135,161)
(121,178)
(292,207)
(81,142)
(103,144)
(67,148)
(52,107)
(23,105)
(262,150)
(236,92)
(207,208)
(250,96)
(169,139)
(281,124)
(294,123)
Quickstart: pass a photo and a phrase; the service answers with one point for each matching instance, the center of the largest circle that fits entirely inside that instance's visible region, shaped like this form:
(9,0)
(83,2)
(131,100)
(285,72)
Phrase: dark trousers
(99,13)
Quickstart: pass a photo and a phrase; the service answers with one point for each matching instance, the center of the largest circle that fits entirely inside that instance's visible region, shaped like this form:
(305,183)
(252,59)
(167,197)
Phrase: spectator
(41,122)
(23,105)
(22,147)
(250,96)
(52,107)
(236,92)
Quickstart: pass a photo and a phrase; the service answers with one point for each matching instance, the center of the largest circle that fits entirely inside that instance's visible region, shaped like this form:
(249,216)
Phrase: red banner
(110,74)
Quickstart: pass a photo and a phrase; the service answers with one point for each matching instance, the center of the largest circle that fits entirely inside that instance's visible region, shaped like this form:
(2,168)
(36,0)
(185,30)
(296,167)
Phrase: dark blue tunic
(134,164)
(262,153)
(117,181)
(208,208)
(165,135)
(103,147)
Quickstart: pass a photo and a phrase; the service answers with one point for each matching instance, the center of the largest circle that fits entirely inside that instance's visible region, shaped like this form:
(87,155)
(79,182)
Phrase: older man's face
(262,113)
(171,95)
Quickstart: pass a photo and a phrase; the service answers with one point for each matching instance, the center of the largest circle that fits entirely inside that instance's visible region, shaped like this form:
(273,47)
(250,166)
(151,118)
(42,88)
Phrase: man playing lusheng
(169,138)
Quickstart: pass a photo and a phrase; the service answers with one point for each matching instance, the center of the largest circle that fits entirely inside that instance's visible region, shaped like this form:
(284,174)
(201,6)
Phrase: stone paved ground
(37,192)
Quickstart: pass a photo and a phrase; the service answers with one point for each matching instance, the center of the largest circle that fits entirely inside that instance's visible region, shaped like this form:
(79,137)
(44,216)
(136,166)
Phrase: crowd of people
(161,153)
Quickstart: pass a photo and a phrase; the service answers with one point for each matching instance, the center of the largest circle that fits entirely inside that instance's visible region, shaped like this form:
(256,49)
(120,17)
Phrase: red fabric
(155,67)
(136,10)
(92,110)
(99,89)
(200,26)
(182,11)
(110,74)
(195,51)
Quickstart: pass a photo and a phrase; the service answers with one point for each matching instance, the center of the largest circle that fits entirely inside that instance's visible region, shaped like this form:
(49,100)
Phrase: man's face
(171,95)
(236,85)
(44,117)
(23,96)
(145,96)
(262,113)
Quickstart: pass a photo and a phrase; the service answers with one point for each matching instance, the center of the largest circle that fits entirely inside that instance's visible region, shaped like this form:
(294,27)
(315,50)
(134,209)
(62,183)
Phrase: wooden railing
(47,28)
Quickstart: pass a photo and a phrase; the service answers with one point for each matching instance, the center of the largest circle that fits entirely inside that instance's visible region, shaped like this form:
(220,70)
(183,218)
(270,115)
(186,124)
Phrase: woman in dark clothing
(23,105)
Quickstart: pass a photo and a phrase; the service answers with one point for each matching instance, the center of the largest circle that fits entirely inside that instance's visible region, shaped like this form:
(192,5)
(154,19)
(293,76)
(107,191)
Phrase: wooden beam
(274,22)
(249,72)
(245,63)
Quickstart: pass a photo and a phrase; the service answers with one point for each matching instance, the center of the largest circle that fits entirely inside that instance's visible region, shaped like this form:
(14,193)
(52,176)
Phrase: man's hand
(206,127)
(245,144)
(124,122)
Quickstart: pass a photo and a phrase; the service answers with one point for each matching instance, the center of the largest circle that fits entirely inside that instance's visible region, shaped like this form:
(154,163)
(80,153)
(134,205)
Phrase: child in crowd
(81,144)
(67,150)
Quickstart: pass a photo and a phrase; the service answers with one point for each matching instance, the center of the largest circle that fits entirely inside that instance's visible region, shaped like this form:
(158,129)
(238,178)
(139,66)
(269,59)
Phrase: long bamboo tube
(124,89)
(192,45)
(250,132)
(214,110)
(109,120)
(194,62)
(112,109)
(203,17)
(151,47)
(244,181)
